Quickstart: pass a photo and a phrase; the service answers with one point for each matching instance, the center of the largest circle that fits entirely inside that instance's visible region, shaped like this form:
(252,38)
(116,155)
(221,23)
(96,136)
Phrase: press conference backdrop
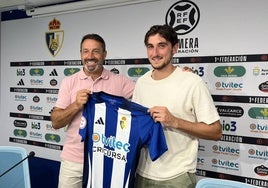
(224,42)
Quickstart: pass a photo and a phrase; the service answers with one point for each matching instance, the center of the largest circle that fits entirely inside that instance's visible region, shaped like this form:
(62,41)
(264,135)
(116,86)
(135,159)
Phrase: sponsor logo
(36,125)
(53,82)
(20,83)
(20,123)
(70,71)
(36,72)
(36,108)
(110,147)
(114,70)
(137,71)
(200,71)
(258,154)
(229,71)
(53,73)
(20,72)
(36,82)
(225,150)
(264,86)
(260,71)
(229,86)
(20,98)
(52,137)
(111,142)
(36,99)
(20,107)
(257,128)
(225,164)
(261,170)
(230,111)
(35,135)
(258,113)
(230,127)
(99,121)
(20,133)
(51,99)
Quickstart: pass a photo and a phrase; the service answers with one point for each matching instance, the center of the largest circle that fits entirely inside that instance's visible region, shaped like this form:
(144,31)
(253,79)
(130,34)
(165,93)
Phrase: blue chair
(220,183)
(19,176)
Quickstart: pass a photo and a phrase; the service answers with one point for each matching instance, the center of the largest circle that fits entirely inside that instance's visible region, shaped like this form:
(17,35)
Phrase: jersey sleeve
(157,145)
(153,137)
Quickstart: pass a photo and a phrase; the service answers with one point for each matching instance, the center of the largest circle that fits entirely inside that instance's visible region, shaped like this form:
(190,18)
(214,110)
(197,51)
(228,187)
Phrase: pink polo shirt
(108,82)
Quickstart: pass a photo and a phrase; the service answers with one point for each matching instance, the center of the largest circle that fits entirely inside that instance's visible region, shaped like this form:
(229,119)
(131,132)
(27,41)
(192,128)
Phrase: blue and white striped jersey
(114,131)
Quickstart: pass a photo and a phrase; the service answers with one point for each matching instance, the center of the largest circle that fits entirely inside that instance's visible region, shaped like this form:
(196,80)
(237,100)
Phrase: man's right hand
(82,97)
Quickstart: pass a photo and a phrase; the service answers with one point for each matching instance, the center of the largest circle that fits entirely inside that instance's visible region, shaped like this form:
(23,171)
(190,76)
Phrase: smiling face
(160,51)
(92,56)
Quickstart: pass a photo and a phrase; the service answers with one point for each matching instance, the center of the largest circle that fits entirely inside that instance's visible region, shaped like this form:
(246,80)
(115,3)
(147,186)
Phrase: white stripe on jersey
(122,133)
(97,163)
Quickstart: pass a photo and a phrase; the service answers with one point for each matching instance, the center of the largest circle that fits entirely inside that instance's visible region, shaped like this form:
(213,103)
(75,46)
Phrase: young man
(72,97)
(181,102)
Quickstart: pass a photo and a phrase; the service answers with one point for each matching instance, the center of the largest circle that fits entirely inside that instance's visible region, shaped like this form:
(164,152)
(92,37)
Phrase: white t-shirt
(186,96)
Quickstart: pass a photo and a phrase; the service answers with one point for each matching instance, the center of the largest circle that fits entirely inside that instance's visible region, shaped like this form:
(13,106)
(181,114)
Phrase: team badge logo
(123,123)
(55,36)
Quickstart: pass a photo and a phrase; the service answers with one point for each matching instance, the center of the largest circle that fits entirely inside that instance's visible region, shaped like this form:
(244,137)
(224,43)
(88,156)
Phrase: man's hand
(161,114)
(187,69)
(82,97)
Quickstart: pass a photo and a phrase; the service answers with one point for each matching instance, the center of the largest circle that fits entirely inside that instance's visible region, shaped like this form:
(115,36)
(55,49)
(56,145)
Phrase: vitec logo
(55,37)
(258,154)
(258,128)
(226,150)
(227,86)
(224,164)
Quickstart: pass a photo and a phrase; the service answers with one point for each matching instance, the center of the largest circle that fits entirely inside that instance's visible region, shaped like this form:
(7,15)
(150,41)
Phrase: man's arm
(202,130)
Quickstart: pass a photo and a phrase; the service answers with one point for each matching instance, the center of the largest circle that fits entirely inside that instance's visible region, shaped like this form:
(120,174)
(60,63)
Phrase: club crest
(55,37)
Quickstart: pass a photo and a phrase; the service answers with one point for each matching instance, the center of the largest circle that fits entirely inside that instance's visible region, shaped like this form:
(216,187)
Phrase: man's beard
(162,66)
(89,68)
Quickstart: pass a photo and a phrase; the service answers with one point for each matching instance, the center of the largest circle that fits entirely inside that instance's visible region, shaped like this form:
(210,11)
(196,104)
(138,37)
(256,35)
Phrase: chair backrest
(19,176)
(220,183)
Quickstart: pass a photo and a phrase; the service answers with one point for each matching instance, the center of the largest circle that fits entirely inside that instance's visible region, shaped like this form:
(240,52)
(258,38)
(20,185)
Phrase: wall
(228,34)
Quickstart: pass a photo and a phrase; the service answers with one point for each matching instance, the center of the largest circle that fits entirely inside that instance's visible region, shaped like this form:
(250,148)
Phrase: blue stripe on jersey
(114,130)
